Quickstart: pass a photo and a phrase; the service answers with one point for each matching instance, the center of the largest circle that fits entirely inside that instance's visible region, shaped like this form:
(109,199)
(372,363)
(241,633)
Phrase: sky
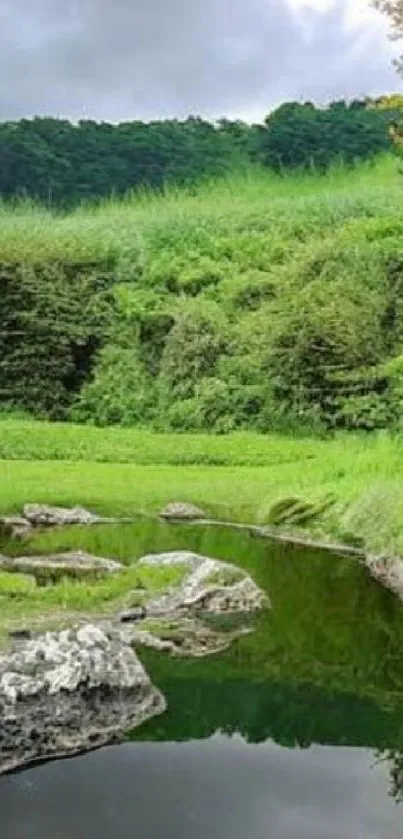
(153,59)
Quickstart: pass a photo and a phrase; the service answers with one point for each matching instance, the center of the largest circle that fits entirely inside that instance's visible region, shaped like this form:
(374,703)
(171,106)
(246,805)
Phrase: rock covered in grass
(66,692)
(75,564)
(40,515)
(388,571)
(177,620)
(209,586)
(182,511)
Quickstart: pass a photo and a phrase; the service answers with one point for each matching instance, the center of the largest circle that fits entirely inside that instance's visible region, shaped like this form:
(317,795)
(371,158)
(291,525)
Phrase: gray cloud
(147,59)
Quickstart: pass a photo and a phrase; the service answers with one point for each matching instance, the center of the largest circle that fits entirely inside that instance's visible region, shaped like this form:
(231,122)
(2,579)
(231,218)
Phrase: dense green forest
(260,301)
(62,164)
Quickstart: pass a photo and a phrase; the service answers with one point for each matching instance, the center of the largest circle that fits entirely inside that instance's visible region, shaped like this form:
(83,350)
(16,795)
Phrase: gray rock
(40,515)
(388,571)
(183,637)
(209,586)
(181,511)
(67,692)
(14,528)
(76,564)
(145,638)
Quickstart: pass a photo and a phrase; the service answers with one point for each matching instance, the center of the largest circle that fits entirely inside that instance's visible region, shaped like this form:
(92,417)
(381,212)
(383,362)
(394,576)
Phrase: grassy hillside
(257,302)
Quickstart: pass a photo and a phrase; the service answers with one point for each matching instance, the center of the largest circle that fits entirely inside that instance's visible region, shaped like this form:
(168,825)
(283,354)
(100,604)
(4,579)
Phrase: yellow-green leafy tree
(394,10)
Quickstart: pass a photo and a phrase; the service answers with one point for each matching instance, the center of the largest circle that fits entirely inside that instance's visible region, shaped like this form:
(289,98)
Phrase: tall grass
(376,181)
(125,228)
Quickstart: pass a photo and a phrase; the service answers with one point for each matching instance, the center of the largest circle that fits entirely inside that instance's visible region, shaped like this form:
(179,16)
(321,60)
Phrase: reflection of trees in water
(290,714)
(395,760)
(396,773)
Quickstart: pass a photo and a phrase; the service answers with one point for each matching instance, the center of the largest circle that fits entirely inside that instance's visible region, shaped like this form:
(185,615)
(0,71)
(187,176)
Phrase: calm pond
(296,732)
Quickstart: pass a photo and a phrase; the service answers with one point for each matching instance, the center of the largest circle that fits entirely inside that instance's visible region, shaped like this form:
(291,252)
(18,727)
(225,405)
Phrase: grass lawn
(238,477)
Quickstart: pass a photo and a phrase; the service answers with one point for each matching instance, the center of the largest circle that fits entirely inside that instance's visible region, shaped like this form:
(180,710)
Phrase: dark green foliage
(199,337)
(53,319)
(330,335)
(229,308)
(120,393)
(63,164)
(60,163)
(304,136)
(296,344)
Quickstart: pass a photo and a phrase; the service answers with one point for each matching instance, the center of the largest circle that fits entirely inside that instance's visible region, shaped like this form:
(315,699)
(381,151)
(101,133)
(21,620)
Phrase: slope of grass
(257,292)
(238,477)
(241,303)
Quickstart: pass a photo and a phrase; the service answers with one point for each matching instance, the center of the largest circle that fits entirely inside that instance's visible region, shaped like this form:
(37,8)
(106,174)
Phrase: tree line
(62,164)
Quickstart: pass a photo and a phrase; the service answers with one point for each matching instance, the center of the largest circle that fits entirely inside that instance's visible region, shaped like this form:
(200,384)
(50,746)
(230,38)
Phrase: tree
(301,135)
(394,9)
(60,164)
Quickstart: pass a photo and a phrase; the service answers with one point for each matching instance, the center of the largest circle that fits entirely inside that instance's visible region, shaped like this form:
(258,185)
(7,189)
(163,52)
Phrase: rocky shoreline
(62,693)
(65,692)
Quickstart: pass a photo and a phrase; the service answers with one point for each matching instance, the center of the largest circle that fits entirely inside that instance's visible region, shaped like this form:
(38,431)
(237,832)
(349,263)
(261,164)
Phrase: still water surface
(295,733)
(218,788)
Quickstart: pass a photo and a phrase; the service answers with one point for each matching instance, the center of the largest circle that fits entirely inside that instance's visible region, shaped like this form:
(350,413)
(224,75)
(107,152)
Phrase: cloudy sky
(146,59)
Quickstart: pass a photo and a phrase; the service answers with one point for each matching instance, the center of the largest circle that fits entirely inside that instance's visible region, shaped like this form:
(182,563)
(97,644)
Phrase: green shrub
(52,321)
(248,290)
(215,406)
(120,392)
(331,324)
(257,302)
(199,337)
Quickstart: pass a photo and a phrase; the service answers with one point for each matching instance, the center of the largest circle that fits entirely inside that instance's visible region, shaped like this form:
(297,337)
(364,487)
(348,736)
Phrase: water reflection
(291,715)
(394,760)
(295,733)
(218,788)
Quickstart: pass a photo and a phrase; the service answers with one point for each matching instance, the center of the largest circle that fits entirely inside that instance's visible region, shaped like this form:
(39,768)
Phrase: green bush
(52,322)
(265,303)
(120,392)
(200,335)
(331,324)
(58,301)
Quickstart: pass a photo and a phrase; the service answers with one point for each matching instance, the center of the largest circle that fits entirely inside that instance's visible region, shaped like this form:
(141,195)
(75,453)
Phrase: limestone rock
(388,571)
(76,564)
(40,515)
(67,692)
(209,586)
(14,528)
(181,511)
(183,637)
